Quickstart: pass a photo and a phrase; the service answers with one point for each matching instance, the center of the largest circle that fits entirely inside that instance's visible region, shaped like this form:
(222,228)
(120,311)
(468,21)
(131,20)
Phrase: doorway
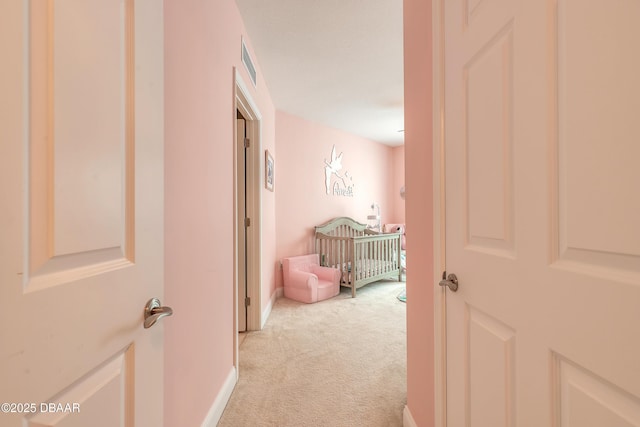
(247,257)
(243,220)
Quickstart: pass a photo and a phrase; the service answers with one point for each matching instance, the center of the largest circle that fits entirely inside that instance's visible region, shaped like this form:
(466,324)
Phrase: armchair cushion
(305,280)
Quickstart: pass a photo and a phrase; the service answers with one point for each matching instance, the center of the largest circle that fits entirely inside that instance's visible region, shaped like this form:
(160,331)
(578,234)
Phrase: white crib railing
(363,256)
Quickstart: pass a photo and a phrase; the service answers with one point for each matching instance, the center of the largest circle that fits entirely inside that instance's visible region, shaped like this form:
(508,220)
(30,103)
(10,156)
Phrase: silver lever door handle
(154,311)
(451,282)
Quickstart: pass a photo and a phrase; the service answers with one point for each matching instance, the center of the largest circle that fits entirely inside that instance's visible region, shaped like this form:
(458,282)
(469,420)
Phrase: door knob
(451,282)
(154,311)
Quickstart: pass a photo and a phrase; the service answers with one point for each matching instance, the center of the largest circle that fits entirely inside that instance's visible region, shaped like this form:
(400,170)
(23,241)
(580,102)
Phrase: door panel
(86,199)
(541,212)
(488,133)
(102,391)
(585,399)
(81,181)
(81,141)
(490,361)
(597,141)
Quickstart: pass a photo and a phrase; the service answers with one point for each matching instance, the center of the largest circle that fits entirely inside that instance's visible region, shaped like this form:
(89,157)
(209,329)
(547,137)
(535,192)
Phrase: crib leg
(353,290)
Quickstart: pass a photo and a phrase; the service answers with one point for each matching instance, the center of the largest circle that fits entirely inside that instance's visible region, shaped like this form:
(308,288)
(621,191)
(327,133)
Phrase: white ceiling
(335,62)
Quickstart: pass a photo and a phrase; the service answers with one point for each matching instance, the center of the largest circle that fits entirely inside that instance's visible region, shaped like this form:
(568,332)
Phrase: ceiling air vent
(248,63)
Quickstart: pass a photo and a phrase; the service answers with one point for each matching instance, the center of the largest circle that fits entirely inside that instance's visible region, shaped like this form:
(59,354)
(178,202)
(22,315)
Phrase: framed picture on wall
(269,170)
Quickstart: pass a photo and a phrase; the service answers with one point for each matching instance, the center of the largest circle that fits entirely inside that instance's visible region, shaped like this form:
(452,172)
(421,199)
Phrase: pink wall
(301,199)
(202,45)
(398,215)
(268,230)
(419,209)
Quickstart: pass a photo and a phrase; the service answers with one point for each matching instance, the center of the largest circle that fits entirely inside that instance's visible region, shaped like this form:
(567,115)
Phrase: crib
(362,255)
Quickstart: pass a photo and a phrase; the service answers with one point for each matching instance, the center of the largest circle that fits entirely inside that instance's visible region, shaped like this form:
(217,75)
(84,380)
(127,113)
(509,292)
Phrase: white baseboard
(215,413)
(407,419)
(267,310)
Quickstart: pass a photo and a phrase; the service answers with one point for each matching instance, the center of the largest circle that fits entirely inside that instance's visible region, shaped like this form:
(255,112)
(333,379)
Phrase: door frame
(439,218)
(247,107)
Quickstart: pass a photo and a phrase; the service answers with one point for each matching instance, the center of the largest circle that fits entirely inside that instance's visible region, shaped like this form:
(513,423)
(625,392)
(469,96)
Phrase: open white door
(542,212)
(81,217)
(241,197)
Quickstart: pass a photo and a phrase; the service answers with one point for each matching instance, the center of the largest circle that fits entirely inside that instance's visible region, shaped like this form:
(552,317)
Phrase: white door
(81,212)
(242,226)
(542,101)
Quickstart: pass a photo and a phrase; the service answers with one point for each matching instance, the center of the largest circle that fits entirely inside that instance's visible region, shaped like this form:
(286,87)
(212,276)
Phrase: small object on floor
(402,296)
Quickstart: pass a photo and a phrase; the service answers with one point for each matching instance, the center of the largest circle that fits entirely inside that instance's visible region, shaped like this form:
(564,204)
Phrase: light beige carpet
(339,362)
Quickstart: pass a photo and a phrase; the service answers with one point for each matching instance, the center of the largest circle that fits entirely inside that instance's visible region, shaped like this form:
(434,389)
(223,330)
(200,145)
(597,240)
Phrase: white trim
(407,419)
(439,238)
(215,413)
(244,89)
(267,310)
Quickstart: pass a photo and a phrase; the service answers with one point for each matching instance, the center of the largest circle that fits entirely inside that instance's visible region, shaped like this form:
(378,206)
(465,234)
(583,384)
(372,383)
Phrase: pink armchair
(306,281)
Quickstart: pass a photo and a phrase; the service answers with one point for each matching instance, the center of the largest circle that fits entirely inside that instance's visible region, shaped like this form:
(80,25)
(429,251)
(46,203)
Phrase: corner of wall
(267,310)
(215,413)
(419,114)
(407,419)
